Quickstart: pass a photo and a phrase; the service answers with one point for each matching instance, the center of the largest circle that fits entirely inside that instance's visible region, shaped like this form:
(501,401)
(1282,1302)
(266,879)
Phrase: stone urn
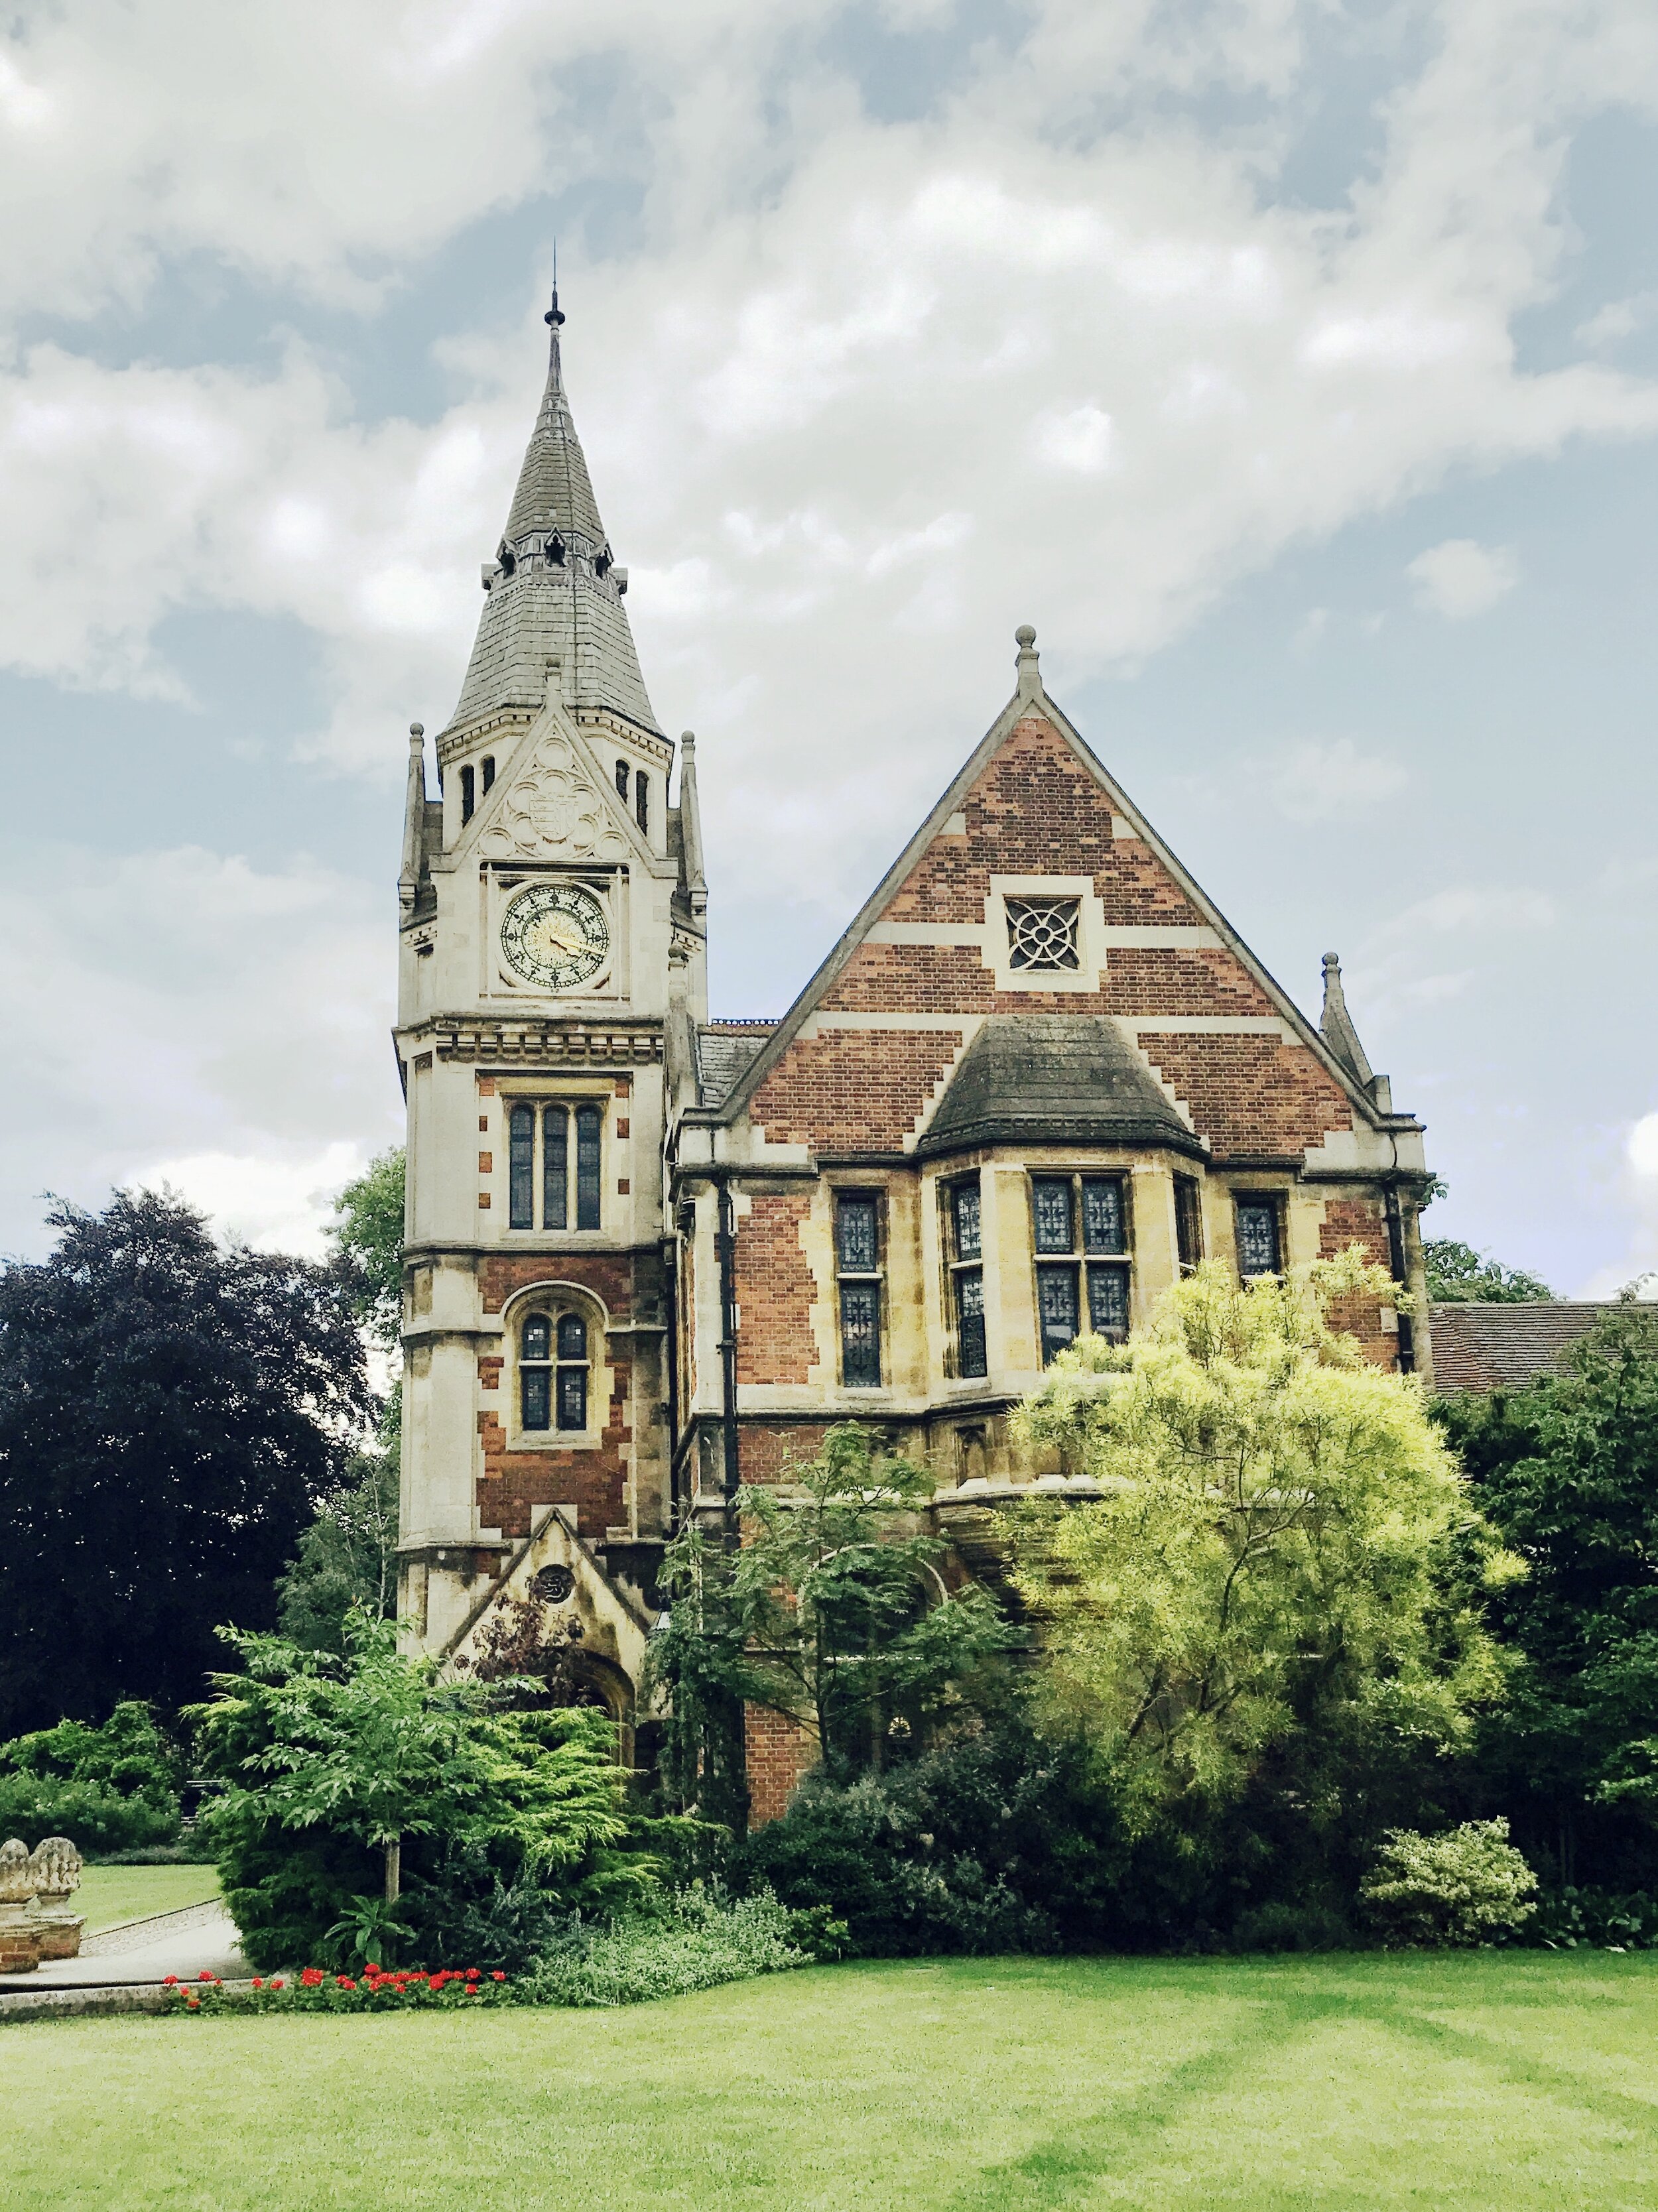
(56,1865)
(20,1930)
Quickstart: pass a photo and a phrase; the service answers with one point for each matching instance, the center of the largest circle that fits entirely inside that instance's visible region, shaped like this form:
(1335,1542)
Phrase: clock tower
(550,981)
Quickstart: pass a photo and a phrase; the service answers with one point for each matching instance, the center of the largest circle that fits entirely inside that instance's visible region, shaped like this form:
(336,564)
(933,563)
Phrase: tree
(1457,1274)
(1282,1549)
(368,1233)
(1567,1471)
(831,1612)
(169,1414)
(348,1556)
(336,1763)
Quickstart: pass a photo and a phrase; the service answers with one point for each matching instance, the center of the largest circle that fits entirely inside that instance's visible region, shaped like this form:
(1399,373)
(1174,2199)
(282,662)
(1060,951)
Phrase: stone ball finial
(1333,960)
(16,1874)
(416,732)
(1025,635)
(56,1867)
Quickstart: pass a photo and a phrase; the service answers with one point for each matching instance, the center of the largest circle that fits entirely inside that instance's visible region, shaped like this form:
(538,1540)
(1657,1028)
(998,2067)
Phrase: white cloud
(1460,577)
(277,1203)
(1313,782)
(1638,1182)
(1619,319)
(182,1015)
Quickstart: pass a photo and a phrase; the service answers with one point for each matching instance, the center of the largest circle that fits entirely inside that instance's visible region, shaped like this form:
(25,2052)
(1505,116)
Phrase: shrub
(1571,1919)
(1467,1886)
(109,1789)
(1281,1926)
(698,1940)
(992,1841)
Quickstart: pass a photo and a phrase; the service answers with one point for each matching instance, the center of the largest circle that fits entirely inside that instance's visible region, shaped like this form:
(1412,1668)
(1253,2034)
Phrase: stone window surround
(553,1298)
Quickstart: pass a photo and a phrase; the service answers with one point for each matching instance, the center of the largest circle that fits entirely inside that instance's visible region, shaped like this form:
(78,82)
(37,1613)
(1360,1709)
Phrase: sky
(1293,368)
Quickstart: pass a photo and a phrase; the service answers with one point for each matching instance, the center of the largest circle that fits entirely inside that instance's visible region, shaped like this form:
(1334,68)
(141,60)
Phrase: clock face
(556,935)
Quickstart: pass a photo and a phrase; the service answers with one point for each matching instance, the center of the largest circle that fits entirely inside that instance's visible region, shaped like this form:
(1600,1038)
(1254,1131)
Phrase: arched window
(552,1372)
(535,1372)
(572,1372)
(468,794)
(489,771)
(556,551)
(621,777)
(641,800)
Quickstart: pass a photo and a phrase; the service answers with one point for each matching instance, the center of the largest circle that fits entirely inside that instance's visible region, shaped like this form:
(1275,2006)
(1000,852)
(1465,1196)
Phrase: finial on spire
(1030,679)
(1336,1023)
(416,736)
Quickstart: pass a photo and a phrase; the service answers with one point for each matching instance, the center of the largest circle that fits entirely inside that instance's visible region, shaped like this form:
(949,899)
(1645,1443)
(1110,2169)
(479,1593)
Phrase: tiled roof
(725,1052)
(1053,1079)
(1504,1347)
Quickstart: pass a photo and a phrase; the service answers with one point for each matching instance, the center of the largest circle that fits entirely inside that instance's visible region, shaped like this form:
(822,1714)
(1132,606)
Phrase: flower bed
(376,1988)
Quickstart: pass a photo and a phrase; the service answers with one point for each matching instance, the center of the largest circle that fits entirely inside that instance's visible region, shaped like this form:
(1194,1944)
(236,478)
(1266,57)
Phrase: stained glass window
(860,1333)
(572,1397)
(964,1199)
(588,1162)
(555,1167)
(1042,933)
(1102,1217)
(1056,1306)
(855,1223)
(1052,1201)
(521,1167)
(1258,1237)
(1108,1301)
(534,1375)
(970,1321)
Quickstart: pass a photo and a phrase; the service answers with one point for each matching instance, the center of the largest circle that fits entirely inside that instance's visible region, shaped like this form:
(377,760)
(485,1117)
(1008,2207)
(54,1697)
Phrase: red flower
(498,1976)
(257,1984)
(371,1968)
(311,1979)
(434,1981)
(172,1981)
(205,1976)
(193,2004)
(277,1982)
(346,1981)
(472,1973)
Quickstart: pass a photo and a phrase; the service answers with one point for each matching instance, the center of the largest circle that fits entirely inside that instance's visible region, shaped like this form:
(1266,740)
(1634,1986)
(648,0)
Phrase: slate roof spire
(555,592)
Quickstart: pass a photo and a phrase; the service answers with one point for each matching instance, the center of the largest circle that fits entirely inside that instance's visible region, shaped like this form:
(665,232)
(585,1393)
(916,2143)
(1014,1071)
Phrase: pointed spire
(555,599)
(414,818)
(1336,1025)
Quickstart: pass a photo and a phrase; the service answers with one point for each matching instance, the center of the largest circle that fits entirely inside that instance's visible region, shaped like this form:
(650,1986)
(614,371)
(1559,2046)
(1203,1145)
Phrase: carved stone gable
(553,804)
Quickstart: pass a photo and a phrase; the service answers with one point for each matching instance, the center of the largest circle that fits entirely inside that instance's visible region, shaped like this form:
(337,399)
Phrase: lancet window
(555,1165)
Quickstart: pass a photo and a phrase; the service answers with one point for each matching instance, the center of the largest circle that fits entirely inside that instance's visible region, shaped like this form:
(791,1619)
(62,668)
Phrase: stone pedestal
(19,1940)
(60,1934)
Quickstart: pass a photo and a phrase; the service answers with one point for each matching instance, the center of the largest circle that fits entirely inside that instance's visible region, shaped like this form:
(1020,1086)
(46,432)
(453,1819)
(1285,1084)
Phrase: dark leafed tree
(170,1413)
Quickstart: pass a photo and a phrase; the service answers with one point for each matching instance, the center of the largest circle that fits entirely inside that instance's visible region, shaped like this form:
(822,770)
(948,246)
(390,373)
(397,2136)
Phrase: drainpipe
(671,1275)
(727,1253)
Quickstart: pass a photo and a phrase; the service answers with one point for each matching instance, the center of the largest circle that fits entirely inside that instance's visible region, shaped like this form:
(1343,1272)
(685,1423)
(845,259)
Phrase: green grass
(110,1894)
(1353,2085)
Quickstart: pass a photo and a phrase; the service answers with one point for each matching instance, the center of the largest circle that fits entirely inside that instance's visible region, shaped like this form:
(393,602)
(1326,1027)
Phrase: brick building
(650,1255)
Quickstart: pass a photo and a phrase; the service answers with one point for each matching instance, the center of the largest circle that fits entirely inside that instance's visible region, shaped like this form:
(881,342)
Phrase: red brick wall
(1037,811)
(514,1485)
(775,1290)
(765,1447)
(1359,1221)
(777,1755)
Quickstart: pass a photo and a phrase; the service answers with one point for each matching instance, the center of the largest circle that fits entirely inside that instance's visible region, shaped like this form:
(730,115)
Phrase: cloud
(184,1016)
(1314,782)
(1461,578)
(1618,319)
(278,1204)
(1638,1186)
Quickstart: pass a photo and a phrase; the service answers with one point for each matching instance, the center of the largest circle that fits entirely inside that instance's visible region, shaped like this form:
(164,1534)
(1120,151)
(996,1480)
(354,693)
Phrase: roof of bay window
(1054,1079)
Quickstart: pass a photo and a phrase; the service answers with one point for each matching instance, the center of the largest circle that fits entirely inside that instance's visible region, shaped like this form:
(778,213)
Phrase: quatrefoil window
(1042,933)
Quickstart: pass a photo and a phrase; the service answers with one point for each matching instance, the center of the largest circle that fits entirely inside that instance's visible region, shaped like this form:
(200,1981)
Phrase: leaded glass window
(535,1372)
(590,1123)
(521,1167)
(642,799)
(966,1246)
(1053,1199)
(1086,1218)
(1055,1308)
(468,794)
(555,1167)
(1042,933)
(1258,1237)
(552,1372)
(572,1372)
(1188,1223)
(858,1253)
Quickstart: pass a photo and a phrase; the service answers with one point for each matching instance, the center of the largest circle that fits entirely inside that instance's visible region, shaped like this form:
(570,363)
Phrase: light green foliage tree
(1468,1886)
(832,1612)
(335,1766)
(368,1233)
(1284,1545)
(347,1557)
(1457,1274)
(110,1789)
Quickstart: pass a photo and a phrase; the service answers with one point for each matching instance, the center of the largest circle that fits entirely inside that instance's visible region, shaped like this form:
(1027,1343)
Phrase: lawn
(109,1894)
(1365,2083)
